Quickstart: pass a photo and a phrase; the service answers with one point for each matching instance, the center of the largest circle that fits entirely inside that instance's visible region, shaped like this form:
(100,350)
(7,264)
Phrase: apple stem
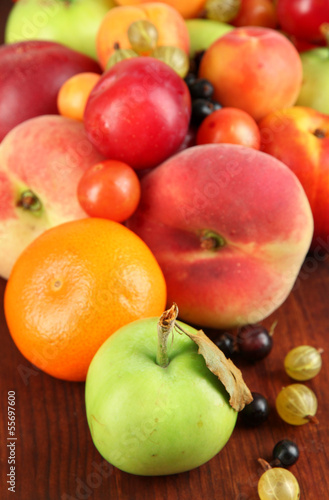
(165,327)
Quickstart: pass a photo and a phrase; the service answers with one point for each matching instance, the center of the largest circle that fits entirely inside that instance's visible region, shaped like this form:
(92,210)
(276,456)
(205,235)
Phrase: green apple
(153,409)
(314,91)
(203,32)
(73,23)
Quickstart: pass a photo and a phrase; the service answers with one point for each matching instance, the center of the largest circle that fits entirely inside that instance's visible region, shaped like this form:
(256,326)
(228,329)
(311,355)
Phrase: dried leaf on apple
(216,361)
(224,369)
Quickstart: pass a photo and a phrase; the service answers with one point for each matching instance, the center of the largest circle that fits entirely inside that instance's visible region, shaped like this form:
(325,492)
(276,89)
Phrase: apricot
(187,8)
(170,24)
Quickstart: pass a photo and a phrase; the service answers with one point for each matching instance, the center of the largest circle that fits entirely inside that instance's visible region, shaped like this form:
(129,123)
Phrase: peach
(187,8)
(171,27)
(230,227)
(299,137)
(41,162)
(255,69)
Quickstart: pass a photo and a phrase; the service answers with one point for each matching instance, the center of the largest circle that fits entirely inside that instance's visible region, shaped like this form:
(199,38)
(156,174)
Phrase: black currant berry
(190,78)
(256,412)
(285,453)
(201,88)
(226,343)
(201,108)
(254,342)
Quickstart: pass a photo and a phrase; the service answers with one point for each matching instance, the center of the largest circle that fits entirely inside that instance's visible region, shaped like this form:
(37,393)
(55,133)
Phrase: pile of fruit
(155,153)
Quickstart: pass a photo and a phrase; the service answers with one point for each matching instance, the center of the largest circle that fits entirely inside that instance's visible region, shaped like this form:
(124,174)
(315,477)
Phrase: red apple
(138,112)
(41,162)
(299,137)
(31,74)
(255,69)
(230,227)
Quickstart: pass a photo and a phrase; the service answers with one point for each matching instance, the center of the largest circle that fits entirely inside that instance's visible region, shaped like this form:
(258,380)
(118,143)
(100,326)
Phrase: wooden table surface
(56,459)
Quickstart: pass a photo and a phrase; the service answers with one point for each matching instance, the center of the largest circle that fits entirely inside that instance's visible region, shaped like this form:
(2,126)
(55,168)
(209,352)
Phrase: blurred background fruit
(187,8)
(203,32)
(74,24)
(303,18)
(299,137)
(255,69)
(73,94)
(113,30)
(256,13)
(31,74)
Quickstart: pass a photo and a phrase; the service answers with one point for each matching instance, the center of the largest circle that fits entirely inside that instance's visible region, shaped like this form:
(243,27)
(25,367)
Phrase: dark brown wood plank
(56,459)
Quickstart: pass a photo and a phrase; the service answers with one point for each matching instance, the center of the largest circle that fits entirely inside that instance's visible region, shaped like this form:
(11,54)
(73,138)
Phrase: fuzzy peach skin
(46,155)
(255,69)
(187,8)
(171,27)
(230,227)
(299,137)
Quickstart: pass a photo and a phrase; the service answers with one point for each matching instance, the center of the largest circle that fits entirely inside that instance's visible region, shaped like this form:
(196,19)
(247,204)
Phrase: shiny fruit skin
(303,18)
(230,126)
(296,404)
(139,112)
(73,94)
(254,342)
(303,362)
(256,13)
(110,190)
(256,412)
(286,452)
(278,483)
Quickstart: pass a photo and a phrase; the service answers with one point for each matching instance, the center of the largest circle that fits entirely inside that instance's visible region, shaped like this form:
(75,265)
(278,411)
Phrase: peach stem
(29,201)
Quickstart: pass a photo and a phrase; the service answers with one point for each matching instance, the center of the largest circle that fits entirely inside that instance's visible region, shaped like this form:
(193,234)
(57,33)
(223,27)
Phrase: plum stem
(165,327)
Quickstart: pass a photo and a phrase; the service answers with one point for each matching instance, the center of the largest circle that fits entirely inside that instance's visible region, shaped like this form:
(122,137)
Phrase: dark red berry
(226,343)
(254,342)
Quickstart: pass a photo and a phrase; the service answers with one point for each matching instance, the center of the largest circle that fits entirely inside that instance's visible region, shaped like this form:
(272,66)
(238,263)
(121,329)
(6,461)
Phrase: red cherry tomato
(256,13)
(110,189)
(303,18)
(229,125)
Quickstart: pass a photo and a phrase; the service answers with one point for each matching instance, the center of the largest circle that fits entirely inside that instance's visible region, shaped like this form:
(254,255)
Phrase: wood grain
(56,459)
